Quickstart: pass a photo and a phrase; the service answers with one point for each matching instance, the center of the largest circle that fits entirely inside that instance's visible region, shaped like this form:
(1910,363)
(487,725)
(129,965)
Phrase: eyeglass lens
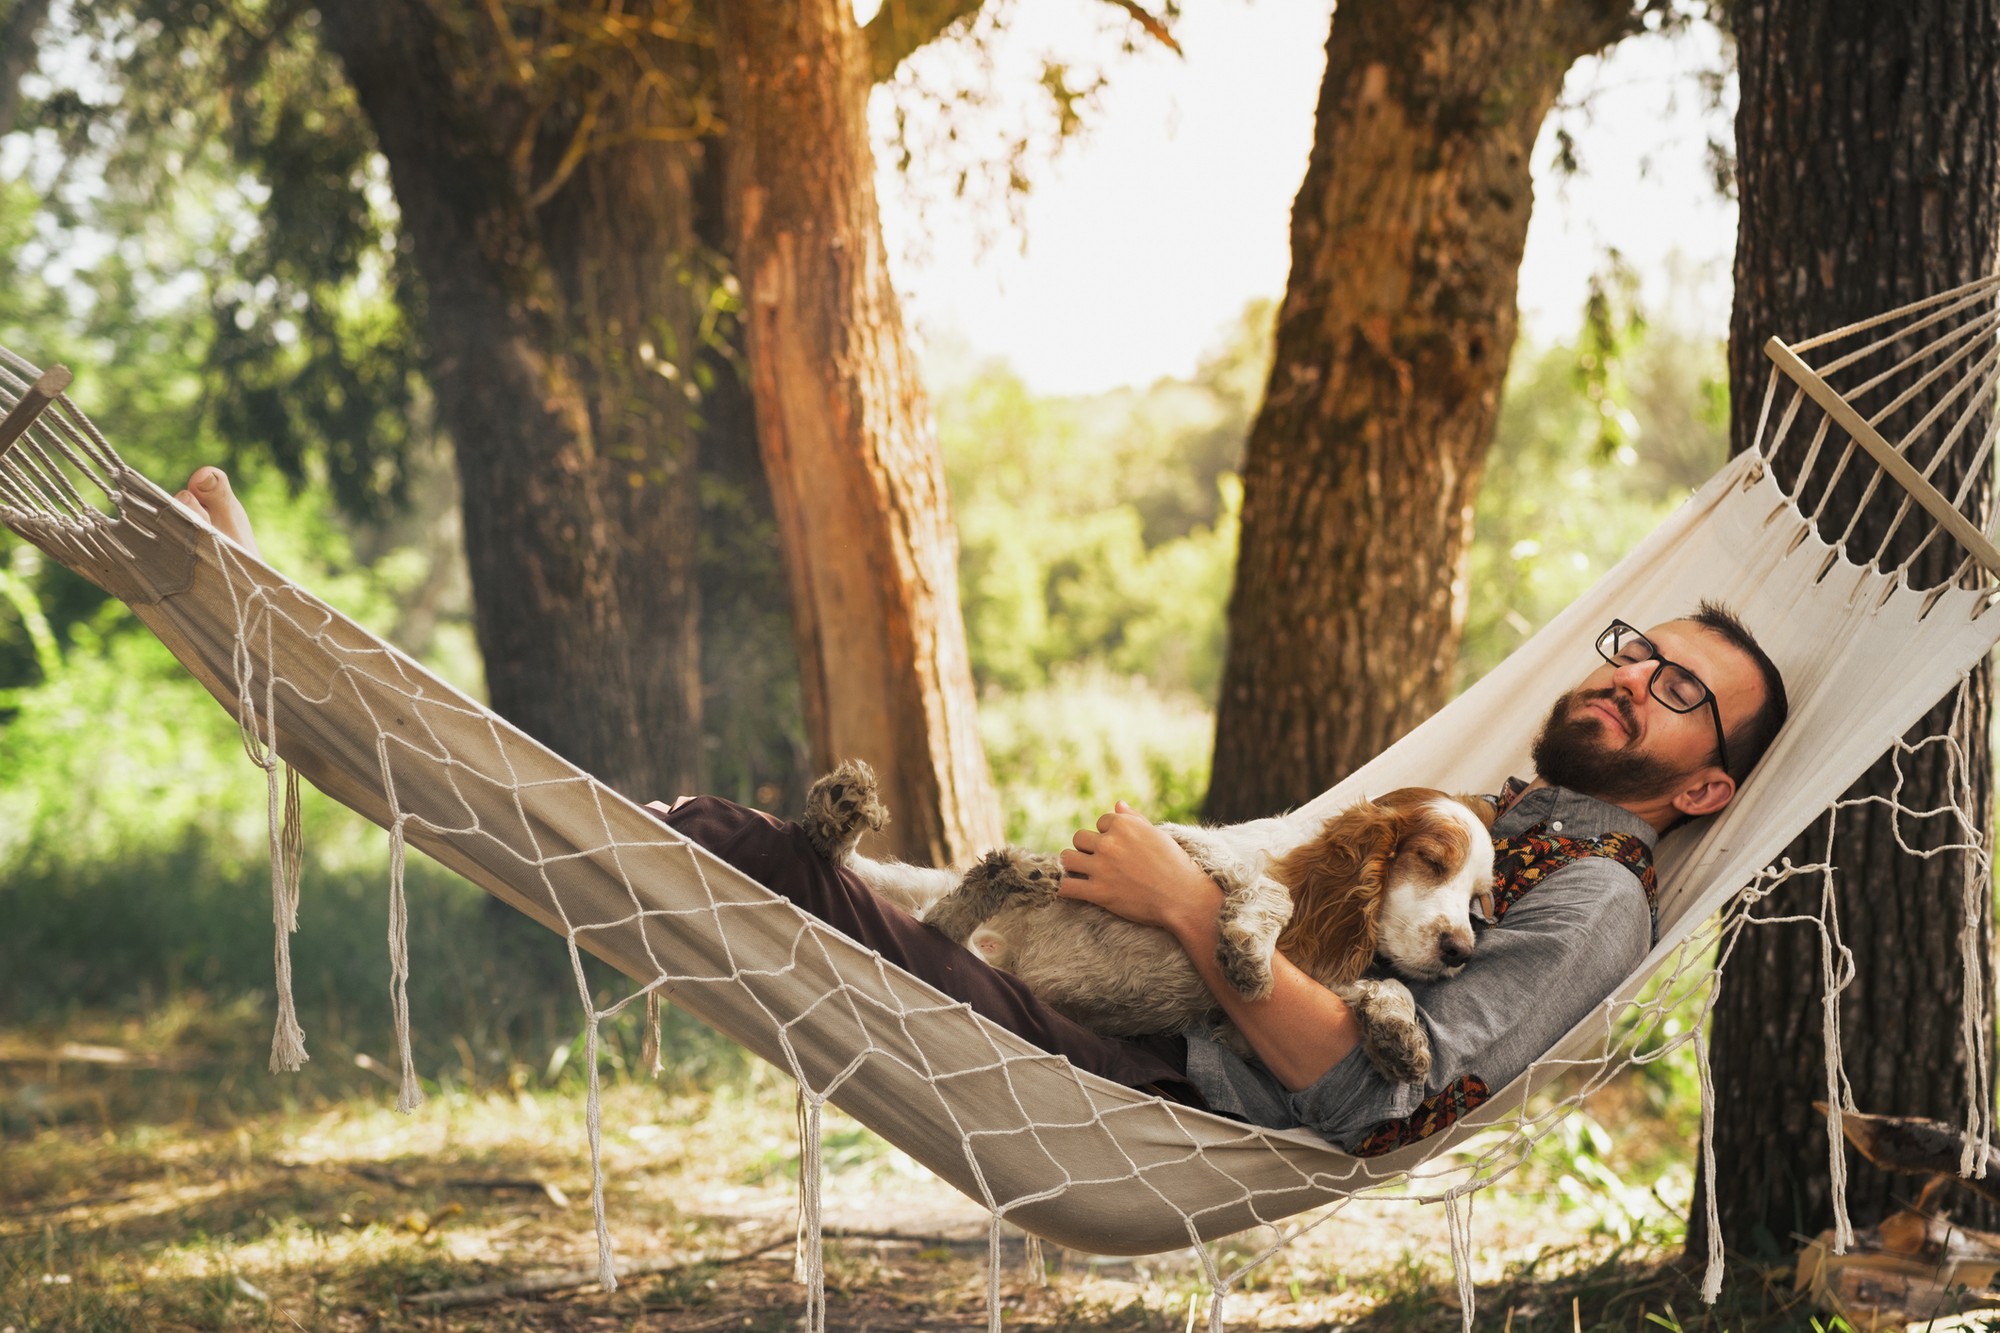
(1673,685)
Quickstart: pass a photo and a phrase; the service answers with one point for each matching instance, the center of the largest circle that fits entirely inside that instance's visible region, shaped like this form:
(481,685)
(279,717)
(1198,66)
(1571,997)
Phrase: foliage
(1557,507)
(974,121)
(1101,530)
(227,121)
(1064,752)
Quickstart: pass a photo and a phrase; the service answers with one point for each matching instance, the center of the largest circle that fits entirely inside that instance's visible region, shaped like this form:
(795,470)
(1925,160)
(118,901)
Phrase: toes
(210,492)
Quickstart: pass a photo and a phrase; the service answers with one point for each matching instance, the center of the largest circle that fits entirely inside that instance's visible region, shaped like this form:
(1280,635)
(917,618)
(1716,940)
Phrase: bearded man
(1661,733)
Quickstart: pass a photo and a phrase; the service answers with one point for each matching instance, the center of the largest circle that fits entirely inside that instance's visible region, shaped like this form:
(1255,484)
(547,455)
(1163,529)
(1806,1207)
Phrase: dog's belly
(1113,976)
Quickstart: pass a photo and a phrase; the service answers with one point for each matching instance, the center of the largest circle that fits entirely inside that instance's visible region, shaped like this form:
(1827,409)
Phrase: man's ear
(1709,791)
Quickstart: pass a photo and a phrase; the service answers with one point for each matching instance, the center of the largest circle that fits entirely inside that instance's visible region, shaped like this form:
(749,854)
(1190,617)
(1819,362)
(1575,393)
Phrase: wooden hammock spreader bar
(45,390)
(1898,467)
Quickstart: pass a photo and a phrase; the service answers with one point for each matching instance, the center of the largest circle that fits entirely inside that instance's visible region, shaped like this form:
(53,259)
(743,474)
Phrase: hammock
(1061,1153)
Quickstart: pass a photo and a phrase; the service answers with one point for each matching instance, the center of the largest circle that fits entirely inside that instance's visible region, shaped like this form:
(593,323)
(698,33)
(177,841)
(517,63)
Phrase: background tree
(535,220)
(1392,347)
(556,170)
(544,180)
(560,245)
(19,28)
(1868,150)
(845,430)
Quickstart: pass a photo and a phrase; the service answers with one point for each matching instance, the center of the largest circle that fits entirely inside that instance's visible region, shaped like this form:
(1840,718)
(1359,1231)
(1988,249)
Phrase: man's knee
(750,840)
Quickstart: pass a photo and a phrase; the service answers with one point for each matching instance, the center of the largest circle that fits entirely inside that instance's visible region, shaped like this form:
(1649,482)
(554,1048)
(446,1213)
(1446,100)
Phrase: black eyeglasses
(1672,684)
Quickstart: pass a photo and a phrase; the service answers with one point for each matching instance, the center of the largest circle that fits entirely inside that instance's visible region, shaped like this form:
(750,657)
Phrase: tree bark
(549,304)
(1868,150)
(856,477)
(19,47)
(1392,346)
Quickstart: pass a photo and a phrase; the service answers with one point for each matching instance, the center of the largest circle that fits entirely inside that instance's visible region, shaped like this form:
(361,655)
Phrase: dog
(1393,879)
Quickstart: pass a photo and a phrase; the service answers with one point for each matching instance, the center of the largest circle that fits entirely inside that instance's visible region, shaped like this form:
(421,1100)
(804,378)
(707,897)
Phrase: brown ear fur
(1336,883)
(1482,809)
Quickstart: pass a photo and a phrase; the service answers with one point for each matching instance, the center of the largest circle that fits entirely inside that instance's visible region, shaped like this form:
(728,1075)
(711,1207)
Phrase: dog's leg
(1396,1042)
(840,807)
(912,888)
(996,880)
(1255,909)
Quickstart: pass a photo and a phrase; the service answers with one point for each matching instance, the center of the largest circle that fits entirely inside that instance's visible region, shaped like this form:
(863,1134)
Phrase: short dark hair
(1753,735)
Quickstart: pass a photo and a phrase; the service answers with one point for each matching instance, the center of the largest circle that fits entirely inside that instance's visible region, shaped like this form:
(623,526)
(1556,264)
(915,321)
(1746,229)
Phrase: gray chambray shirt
(1559,951)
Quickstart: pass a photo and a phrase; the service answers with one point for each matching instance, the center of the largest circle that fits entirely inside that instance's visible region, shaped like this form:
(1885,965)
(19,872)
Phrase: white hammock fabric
(1060,1153)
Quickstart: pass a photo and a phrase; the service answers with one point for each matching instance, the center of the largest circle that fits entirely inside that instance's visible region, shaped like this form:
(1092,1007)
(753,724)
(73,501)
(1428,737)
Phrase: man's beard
(1581,752)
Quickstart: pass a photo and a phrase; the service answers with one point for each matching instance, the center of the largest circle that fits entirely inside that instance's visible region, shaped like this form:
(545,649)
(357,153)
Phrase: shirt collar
(1567,812)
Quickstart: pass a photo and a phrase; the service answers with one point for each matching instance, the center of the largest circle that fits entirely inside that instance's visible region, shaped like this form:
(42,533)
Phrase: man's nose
(1635,677)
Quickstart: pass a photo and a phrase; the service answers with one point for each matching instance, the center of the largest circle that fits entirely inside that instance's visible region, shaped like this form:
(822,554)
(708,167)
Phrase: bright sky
(1144,241)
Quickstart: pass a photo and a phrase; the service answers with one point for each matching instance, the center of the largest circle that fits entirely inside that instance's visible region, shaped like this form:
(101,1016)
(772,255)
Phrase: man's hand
(1132,868)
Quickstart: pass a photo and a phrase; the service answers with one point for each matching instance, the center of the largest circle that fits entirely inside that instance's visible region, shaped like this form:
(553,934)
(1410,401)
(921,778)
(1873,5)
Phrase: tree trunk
(1868,150)
(1392,346)
(19,47)
(855,472)
(550,303)
(752,718)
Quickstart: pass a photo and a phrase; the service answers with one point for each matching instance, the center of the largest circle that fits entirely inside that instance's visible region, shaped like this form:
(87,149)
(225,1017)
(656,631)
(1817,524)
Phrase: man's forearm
(1132,868)
(1299,1031)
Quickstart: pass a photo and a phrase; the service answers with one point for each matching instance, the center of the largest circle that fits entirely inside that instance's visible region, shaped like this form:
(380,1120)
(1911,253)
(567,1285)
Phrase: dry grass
(183,1190)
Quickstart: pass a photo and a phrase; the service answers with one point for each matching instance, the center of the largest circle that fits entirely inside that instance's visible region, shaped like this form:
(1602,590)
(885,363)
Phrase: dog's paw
(1001,878)
(1391,1034)
(1007,871)
(1011,873)
(840,807)
(1245,958)
(1254,910)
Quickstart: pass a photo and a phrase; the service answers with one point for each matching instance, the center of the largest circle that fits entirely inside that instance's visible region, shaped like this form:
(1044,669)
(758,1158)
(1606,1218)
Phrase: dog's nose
(1454,952)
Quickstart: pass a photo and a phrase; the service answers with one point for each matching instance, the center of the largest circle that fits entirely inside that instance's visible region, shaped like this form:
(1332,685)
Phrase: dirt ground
(154,1192)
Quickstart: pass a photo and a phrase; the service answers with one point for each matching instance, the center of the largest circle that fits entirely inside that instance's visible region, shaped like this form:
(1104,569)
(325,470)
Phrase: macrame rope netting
(1037,1143)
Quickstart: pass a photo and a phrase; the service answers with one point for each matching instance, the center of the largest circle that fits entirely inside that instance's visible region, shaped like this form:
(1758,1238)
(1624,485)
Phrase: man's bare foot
(208,494)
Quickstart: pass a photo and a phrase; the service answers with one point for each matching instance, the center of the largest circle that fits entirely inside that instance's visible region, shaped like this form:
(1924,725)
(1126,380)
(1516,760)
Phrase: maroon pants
(779,856)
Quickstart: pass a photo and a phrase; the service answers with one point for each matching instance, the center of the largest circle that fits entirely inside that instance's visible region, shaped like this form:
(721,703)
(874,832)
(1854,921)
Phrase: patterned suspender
(1528,858)
(1519,863)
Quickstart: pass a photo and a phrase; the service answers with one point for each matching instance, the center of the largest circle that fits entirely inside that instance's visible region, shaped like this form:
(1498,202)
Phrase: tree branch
(901,27)
(1153,25)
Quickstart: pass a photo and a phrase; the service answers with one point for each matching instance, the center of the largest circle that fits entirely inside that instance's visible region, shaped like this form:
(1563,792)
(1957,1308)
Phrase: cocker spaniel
(1392,879)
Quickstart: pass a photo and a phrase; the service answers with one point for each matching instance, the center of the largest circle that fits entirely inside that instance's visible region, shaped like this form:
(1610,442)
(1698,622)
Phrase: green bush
(1062,753)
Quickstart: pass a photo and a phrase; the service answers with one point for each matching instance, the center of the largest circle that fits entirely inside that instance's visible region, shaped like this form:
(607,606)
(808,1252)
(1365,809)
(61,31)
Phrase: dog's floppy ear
(1336,883)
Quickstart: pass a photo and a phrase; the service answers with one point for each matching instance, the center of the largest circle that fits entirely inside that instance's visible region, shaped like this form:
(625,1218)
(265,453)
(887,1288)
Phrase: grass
(195,1191)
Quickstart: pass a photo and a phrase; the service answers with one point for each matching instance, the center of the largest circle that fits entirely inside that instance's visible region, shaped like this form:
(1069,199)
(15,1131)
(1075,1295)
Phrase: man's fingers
(1123,809)
(1085,841)
(1074,863)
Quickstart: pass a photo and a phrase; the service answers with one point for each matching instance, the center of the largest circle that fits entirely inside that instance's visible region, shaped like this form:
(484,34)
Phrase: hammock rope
(1866,646)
